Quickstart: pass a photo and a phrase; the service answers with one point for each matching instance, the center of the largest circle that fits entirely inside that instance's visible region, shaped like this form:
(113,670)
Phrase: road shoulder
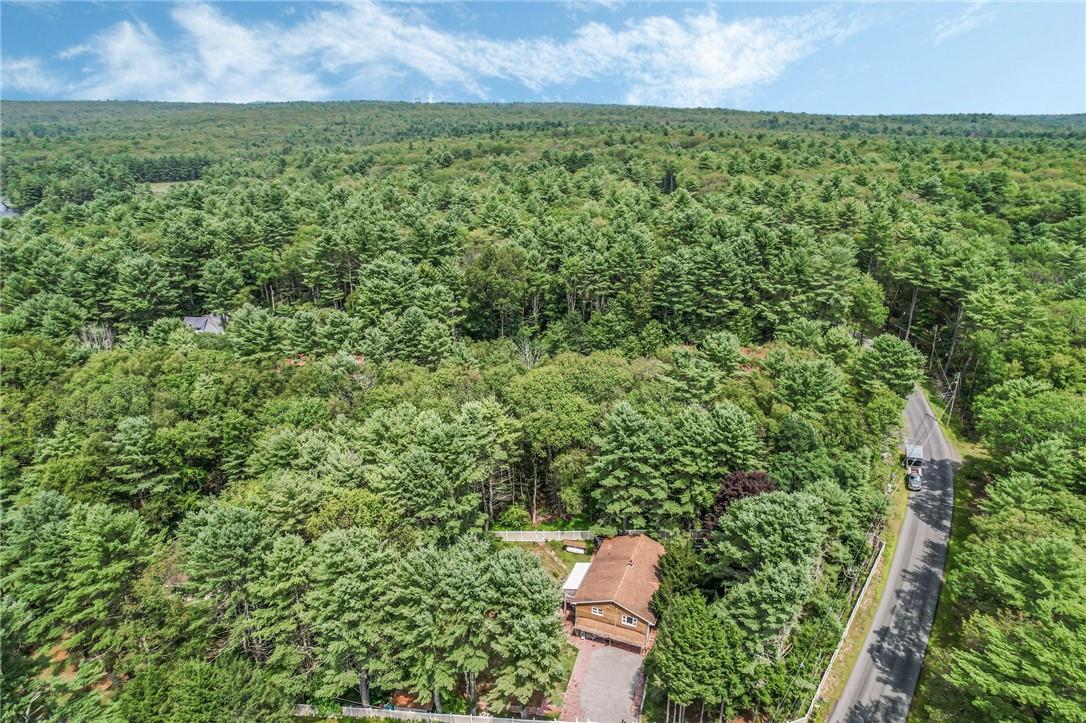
(931,688)
(869,605)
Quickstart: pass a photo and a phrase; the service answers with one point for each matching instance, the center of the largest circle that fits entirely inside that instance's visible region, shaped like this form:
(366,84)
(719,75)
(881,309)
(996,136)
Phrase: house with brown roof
(612,600)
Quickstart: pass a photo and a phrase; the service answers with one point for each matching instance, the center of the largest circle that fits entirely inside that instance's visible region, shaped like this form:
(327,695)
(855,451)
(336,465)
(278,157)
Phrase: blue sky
(859,57)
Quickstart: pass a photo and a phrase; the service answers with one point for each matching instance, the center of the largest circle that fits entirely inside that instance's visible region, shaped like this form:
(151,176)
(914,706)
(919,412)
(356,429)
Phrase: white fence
(572,535)
(543,535)
(348,711)
(844,634)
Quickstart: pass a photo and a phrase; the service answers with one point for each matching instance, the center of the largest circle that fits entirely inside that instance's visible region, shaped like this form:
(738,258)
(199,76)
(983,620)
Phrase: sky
(853,57)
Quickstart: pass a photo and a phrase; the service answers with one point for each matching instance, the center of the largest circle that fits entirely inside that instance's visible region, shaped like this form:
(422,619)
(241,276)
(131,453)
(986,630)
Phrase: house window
(629,620)
(597,611)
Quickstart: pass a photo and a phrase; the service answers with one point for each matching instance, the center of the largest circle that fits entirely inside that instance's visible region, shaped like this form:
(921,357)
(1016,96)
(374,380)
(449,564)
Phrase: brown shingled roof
(624,572)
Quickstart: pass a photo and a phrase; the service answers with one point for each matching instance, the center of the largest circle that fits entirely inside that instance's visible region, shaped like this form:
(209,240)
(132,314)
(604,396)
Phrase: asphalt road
(883,681)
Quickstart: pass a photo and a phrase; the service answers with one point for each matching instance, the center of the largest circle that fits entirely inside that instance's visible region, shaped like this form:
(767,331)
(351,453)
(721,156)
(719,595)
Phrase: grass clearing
(554,557)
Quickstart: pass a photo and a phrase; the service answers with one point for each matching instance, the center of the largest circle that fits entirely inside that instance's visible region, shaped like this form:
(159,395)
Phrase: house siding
(609,625)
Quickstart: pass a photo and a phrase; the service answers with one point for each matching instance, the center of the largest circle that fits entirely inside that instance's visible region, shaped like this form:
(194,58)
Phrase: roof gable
(206,324)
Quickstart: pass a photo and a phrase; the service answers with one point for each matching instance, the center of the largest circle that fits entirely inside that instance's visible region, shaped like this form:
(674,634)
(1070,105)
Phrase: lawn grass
(861,624)
(571,558)
(567,659)
(554,557)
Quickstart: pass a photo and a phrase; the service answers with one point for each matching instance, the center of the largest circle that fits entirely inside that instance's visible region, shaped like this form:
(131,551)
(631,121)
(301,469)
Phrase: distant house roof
(576,577)
(624,572)
(206,324)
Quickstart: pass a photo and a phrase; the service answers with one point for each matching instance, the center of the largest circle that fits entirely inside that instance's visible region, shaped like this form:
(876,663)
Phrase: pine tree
(223,553)
(352,573)
(35,559)
(691,467)
(134,456)
(438,497)
(319,266)
(434,344)
(490,436)
(732,443)
(766,605)
(800,457)
(630,488)
(759,531)
(680,571)
(691,378)
(222,287)
(407,335)
(468,602)
(279,622)
(301,333)
(692,659)
(529,636)
(414,632)
(20,684)
(386,285)
(254,333)
(142,293)
(1022,669)
(891,361)
(228,688)
(810,387)
(722,350)
(106,552)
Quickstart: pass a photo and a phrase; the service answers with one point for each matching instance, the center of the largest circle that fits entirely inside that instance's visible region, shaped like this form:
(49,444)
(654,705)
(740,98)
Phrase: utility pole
(934,336)
(912,308)
(954,337)
(953,395)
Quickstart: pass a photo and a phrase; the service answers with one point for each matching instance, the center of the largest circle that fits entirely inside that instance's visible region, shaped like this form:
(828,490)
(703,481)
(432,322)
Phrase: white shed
(576,577)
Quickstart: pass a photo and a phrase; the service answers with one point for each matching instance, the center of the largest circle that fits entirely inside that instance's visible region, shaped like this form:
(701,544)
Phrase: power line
(877,520)
(839,599)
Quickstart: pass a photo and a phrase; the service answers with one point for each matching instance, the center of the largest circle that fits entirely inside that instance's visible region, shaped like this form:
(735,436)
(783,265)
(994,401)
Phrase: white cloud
(363,46)
(215,59)
(692,60)
(26,74)
(973,16)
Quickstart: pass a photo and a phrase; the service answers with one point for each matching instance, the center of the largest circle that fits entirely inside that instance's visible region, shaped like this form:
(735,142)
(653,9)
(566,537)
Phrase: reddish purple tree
(735,486)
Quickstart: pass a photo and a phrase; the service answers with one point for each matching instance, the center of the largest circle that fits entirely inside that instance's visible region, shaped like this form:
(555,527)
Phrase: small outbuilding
(206,324)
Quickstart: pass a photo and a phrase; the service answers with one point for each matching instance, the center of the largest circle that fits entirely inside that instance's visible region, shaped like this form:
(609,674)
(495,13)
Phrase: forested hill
(35,131)
(441,319)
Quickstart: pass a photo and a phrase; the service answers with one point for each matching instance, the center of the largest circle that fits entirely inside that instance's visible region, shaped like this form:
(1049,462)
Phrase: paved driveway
(605,683)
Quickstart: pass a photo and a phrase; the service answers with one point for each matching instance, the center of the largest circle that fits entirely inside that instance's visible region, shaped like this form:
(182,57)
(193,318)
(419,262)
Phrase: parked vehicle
(914,458)
(913,482)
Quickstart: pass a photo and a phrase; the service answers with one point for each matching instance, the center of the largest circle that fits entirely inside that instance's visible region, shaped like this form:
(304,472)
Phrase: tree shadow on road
(897,649)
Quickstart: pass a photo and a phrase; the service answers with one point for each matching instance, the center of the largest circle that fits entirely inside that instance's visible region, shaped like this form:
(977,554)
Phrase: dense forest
(446,319)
